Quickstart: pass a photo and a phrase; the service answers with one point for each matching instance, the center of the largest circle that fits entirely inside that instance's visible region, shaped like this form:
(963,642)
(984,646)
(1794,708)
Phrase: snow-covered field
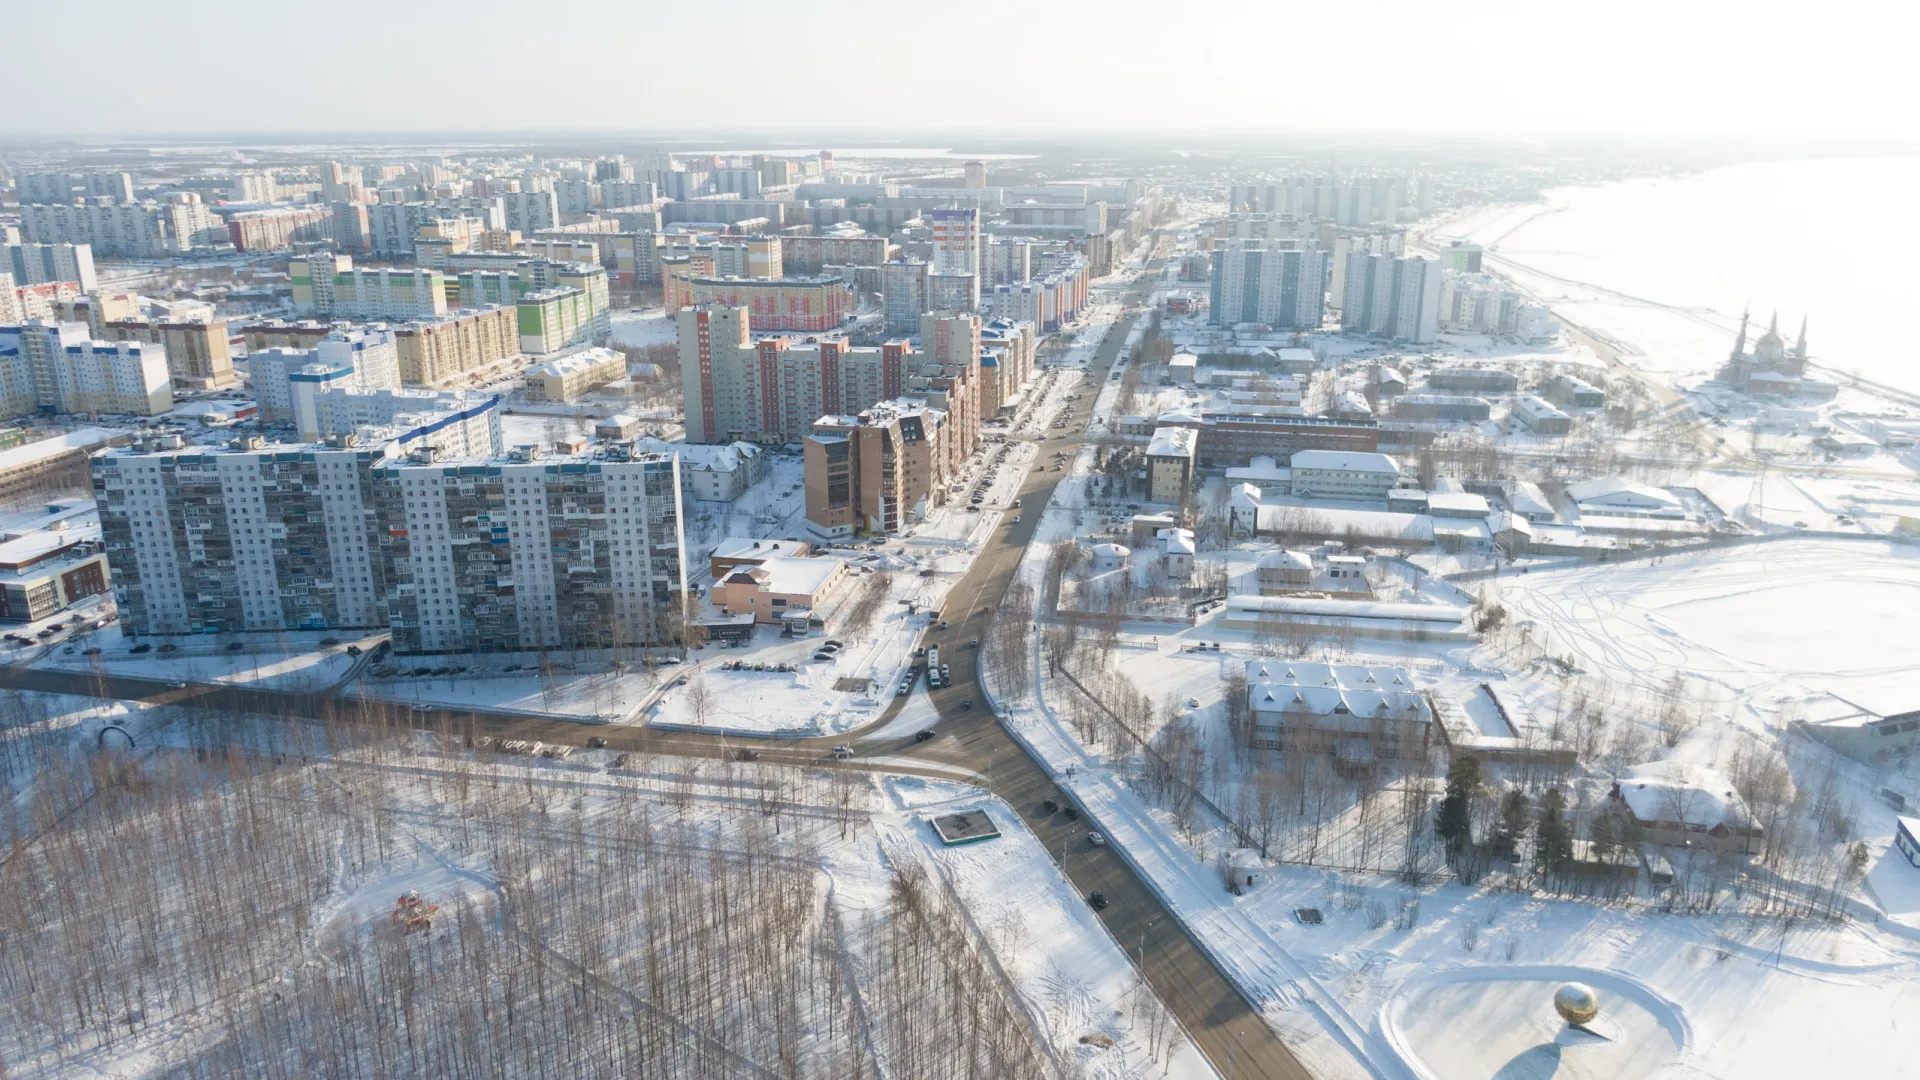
(1787,615)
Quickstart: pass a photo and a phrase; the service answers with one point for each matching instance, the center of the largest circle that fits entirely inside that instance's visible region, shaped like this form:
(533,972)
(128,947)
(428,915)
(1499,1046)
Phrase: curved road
(1227,1029)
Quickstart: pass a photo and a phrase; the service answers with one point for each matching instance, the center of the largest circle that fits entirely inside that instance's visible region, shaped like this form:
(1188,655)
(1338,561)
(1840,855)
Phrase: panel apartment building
(56,367)
(491,554)
(771,391)
(1279,283)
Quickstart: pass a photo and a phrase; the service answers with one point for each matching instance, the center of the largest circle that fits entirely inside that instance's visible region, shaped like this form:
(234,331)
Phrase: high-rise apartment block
(198,354)
(432,352)
(771,391)
(956,249)
(490,554)
(875,471)
(344,359)
(905,294)
(327,283)
(48,366)
(127,230)
(1280,283)
(63,187)
(1393,297)
(37,264)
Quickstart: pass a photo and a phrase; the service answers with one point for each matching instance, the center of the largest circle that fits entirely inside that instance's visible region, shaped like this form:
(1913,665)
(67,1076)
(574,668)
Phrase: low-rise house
(1680,804)
(1359,713)
(1541,417)
(1284,572)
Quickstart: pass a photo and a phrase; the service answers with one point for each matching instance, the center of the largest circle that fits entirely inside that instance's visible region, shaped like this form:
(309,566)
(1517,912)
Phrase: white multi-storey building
(47,365)
(956,247)
(476,554)
(36,264)
(1395,297)
(1281,283)
(343,360)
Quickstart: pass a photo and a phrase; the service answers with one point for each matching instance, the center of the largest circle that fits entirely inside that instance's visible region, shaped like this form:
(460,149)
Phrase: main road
(1233,1035)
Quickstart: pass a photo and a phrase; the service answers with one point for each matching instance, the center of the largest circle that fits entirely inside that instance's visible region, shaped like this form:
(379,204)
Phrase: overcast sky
(1575,67)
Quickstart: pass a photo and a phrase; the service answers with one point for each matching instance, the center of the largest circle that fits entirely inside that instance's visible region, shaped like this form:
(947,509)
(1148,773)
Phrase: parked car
(595,742)
(1050,806)
(1098,899)
(140,648)
(923,736)
(1096,839)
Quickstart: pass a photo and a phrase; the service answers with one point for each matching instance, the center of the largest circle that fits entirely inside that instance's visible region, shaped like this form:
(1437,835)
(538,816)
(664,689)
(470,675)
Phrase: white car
(1096,839)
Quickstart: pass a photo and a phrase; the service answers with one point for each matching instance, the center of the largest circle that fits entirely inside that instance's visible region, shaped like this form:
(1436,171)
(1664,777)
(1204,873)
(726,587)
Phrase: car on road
(1016,519)
(967,704)
(92,652)
(842,751)
(923,736)
(421,710)
(1096,839)
(746,754)
(943,624)
(176,686)
(1051,806)
(1071,811)
(141,648)
(595,742)
(1098,899)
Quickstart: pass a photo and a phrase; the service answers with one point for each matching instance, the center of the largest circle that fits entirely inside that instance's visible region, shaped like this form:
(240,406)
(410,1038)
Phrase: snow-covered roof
(1243,495)
(1177,541)
(788,575)
(1619,491)
(1346,461)
(42,449)
(1356,609)
(1110,551)
(1359,690)
(1683,792)
(748,547)
(1172,442)
(1284,560)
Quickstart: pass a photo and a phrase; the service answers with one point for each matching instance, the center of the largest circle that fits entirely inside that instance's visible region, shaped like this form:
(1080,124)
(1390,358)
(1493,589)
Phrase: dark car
(1050,806)
(142,647)
(595,742)
(169,647)
(234,646)
(967,704)
(745,754)
(1098,899)
(1072,812)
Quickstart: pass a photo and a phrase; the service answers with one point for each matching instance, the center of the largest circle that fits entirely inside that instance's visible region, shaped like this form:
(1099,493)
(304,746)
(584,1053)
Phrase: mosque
(1770,367)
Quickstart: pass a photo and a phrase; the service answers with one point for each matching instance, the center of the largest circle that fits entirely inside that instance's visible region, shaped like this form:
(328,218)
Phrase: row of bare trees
(586,930)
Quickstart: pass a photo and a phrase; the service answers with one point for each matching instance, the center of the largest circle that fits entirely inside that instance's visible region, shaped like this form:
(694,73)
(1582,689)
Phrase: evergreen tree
(1516,813)
(1553,837)
(1454,823)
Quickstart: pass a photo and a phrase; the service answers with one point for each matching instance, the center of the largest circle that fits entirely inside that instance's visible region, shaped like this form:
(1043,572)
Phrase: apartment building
(39,264)
(199,355)
(456,424)
(568,377)
(431,352)
(811,304)
(56,367)
(343,360)
(126,230)
(64,187)
(956,252)
(1395,297)
(279,228)
(472,555)
(1007,352)
(327,283)
(813,254)
(875,471)
(906,294)
(1278,283)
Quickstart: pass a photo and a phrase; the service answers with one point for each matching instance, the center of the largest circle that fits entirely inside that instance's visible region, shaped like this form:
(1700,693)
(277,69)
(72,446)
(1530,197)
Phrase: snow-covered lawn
(1813,613)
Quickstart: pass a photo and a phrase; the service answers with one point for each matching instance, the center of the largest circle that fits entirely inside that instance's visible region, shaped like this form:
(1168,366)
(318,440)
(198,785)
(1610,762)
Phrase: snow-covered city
(1388,595)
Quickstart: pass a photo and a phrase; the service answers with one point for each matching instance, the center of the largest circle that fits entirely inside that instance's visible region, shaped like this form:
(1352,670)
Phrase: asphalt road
(1226,1028)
